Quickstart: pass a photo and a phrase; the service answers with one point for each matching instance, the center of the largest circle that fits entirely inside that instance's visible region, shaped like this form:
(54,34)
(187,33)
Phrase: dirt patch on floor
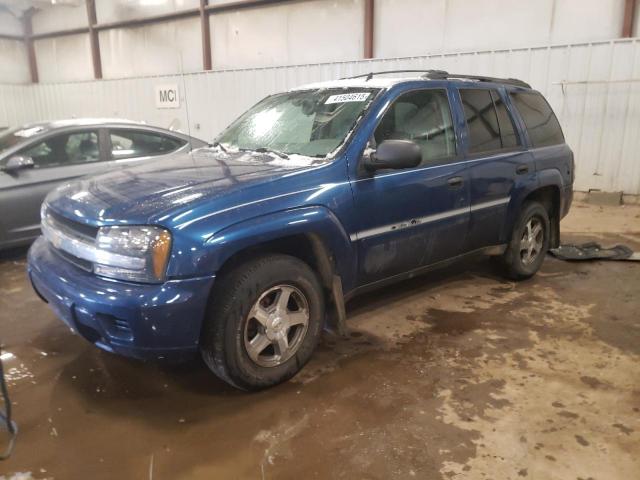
(459,374)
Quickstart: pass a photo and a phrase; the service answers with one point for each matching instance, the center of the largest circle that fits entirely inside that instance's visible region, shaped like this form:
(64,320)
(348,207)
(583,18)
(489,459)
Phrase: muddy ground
(458,374)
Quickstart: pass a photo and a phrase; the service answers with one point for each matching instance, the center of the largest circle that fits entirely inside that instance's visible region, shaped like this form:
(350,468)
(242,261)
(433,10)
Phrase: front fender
(312,220)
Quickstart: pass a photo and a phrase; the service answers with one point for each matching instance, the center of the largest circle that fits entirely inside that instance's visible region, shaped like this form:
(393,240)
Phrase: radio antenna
(186,102)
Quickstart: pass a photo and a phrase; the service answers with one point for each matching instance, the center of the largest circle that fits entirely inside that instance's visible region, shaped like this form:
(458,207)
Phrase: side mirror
(18,162)
(394,154)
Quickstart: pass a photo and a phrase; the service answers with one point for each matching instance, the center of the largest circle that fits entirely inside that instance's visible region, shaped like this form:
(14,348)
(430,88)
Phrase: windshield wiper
(218,144)
(270,150)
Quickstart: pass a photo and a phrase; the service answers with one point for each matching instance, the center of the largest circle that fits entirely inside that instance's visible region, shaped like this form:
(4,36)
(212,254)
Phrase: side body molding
(316,220)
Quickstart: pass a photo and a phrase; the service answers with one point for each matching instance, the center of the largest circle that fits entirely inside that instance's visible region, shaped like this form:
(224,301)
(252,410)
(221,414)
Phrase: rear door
(128,146)
(413,217)
(57,158)
(498,163)
(548,146)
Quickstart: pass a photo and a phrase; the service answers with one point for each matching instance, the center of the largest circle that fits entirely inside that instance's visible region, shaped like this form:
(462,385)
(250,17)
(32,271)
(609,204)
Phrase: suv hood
(153,191)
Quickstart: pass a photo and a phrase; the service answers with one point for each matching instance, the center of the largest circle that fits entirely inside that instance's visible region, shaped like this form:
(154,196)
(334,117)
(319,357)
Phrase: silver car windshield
(312,123)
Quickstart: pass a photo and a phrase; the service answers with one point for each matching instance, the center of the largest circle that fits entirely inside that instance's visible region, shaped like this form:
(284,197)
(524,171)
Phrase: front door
(58,158)
(413,217)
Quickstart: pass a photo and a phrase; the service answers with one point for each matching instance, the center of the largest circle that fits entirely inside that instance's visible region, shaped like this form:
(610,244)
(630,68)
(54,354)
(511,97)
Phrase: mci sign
(167,96)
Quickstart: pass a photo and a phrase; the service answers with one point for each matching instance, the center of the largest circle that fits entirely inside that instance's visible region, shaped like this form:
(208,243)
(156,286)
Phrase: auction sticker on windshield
(348,97)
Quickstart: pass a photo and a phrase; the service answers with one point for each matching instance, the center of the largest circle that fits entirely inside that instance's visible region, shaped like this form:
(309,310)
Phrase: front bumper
(146,321)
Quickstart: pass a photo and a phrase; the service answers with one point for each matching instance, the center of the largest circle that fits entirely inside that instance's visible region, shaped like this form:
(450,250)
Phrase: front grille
(54,224)
(78,262)
(71,227)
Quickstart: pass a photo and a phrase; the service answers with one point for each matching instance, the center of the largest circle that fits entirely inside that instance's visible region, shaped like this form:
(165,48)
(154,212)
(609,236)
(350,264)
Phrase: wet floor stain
(459,374)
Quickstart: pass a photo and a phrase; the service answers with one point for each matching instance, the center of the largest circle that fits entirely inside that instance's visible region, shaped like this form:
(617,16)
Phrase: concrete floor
(459,374)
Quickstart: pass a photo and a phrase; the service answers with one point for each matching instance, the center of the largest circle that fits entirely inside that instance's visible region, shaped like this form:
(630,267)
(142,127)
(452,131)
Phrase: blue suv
(245,250)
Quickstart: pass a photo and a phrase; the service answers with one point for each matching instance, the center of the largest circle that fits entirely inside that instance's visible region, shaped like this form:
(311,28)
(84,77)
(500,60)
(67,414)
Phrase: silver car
(36,158)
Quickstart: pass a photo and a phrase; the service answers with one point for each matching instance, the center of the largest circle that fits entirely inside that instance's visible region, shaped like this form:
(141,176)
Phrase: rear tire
(529,242)
(264,322)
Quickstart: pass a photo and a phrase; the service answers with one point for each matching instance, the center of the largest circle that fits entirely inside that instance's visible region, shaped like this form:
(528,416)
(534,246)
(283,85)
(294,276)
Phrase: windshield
(313,123)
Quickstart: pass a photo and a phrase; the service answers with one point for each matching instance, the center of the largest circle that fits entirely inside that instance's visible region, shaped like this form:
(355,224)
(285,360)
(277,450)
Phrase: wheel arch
(547,192)
(311,234)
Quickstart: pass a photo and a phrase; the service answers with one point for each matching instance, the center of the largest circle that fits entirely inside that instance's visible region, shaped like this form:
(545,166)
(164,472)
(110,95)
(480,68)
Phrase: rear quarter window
(134,143)
(542,124)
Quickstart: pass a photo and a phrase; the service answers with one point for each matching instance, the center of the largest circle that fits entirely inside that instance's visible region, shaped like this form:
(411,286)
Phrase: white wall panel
(63,59)
(496,23)
(418,27)
(59,17)
(294,33)
(576,20)
(161,48)
(14,67)
(9,24)
(117,10)
(408,27)
(593,87)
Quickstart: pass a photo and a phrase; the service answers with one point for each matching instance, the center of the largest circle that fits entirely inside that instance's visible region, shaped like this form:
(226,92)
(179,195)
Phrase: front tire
(529,242)
(264,322)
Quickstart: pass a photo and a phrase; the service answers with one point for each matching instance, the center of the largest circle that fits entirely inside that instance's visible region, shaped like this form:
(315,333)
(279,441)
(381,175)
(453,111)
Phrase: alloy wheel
(532,241)
(276,325)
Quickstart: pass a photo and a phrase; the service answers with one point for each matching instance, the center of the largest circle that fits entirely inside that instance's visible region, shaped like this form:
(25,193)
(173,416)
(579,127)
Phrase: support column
(368,28)
(94,40)
(206,35)
(629,18)
(27,27)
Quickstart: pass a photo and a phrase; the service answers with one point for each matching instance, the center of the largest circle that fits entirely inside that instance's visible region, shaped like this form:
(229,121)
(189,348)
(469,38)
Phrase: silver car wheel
(276,325)
(532,241)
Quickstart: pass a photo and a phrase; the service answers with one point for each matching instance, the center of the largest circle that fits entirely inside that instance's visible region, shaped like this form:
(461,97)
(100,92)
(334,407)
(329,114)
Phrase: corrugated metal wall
(593,87)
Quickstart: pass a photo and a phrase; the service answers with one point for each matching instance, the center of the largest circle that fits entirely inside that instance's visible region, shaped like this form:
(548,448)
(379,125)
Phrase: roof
(81,122)
(39,129)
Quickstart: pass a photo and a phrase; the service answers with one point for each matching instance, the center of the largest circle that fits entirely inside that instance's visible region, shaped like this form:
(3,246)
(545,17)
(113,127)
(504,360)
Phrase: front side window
(134,143)
(313,123)
(12,138)
(542,125)
(65,149)
(424,117)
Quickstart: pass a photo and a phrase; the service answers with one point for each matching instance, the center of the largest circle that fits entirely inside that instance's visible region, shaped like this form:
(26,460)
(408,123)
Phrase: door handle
(455,182)
(522,169)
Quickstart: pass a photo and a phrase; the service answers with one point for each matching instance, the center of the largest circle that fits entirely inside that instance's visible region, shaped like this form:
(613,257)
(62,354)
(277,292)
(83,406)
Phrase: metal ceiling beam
(137,22)
(243,4)
(629,18)
(368,28)
(7,36)
(59,33)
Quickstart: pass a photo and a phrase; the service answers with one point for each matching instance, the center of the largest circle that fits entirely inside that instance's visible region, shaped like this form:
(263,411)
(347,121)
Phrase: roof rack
(443,75)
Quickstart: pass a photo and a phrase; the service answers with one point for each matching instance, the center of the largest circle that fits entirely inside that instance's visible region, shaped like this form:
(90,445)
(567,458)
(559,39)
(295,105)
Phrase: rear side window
(424,117)
(488,121)
(541,122)
(132,143)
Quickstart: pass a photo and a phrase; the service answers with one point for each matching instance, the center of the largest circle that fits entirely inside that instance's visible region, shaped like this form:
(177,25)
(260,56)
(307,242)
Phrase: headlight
(137,254)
